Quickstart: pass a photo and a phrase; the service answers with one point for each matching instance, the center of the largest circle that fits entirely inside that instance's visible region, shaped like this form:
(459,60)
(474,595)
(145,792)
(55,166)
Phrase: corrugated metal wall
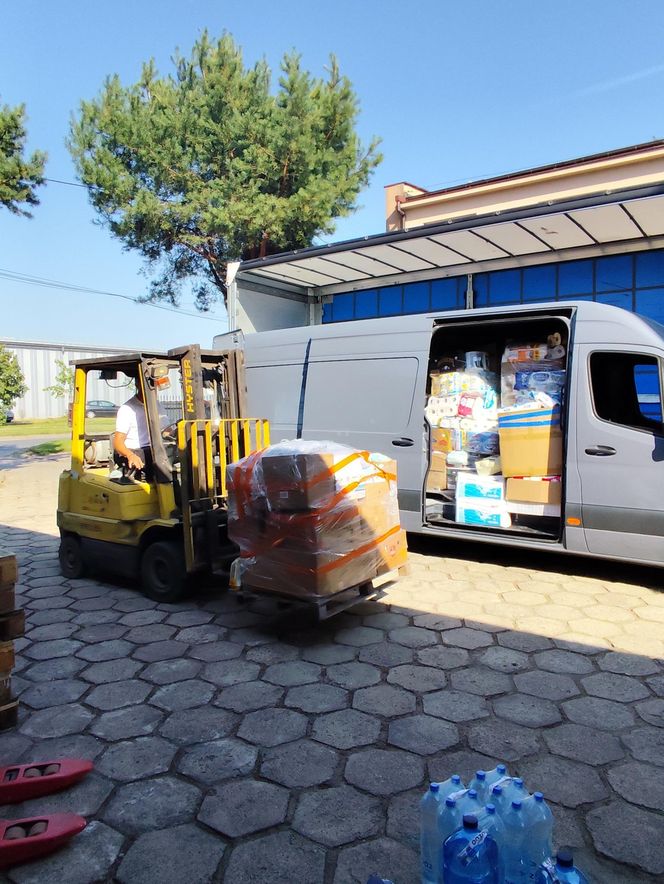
(38,364)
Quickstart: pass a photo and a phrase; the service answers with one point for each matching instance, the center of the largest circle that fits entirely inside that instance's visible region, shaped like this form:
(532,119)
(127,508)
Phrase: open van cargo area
(496,401)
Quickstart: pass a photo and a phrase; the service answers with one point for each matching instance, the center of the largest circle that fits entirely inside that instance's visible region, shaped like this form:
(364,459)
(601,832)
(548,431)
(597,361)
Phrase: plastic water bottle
(518,790)
(480,785)
(515,867)
(500,798)
(429,806)
(562,870)
(449,787)
(470,855)
(493,776)
(539,841)
(449,820)
(491,821)
(469,802)
(376,879)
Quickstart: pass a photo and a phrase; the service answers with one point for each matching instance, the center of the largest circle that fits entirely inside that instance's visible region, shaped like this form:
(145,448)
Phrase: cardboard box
(298,481)
(533,509)
(437,480)
(534,490)
(472,487)
(531,442)
(483,514)
(442,439)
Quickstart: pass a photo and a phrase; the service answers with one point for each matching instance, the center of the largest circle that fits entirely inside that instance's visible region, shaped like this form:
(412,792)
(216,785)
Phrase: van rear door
(620,450)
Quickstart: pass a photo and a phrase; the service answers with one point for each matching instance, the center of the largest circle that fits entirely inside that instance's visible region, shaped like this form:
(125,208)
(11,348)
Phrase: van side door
(620,450)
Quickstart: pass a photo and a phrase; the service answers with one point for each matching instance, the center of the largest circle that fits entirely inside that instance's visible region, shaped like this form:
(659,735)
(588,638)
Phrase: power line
(68,183)
(44,282)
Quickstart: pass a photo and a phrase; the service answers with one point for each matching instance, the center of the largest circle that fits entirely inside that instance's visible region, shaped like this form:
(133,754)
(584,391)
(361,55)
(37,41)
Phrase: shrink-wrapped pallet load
(313,519)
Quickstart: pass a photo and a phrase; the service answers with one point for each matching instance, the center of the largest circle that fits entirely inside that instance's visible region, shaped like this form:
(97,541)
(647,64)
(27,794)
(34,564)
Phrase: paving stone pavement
(229,747)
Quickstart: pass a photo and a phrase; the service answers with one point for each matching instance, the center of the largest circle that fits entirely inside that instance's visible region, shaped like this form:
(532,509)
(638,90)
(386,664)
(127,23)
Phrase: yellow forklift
(169,524)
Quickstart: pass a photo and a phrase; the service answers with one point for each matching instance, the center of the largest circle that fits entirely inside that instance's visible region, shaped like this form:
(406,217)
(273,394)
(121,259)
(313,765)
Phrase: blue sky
(457,91)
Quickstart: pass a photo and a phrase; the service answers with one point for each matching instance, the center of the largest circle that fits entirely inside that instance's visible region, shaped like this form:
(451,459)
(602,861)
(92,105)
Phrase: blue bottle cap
(490,808)
(434,787)
(538,796)
(501,768)
(564,857)
(469,821)
(516,804)
(450,802)
(472,793)
(480,774)
(456,779)
(518,781)
(497,790)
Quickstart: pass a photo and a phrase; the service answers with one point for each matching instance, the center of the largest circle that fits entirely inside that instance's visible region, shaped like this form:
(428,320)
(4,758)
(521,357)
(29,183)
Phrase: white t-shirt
(131,420)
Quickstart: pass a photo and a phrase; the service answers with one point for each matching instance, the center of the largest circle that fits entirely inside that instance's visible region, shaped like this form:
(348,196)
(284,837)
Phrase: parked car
(9,416)
(100,408)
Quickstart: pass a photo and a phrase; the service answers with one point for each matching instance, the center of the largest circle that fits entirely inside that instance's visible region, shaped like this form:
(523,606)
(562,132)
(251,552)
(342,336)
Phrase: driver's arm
(119,445)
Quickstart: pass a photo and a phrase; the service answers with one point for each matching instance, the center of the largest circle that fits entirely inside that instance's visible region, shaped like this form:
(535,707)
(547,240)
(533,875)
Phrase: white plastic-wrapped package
(314,518)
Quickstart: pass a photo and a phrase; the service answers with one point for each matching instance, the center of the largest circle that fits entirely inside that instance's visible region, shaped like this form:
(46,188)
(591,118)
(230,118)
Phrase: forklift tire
(71,557)
(163,572)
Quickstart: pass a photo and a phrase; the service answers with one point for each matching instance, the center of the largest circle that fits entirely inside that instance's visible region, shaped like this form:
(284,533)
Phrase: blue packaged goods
(515,867)
(562,870)
(484,488)
(485,442)
(449,820)
(470,855)
(429,807)
(448,787)
(485,516)
(540,832)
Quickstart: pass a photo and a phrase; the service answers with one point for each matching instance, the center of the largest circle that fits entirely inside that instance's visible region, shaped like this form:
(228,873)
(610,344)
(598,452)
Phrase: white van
(366,384)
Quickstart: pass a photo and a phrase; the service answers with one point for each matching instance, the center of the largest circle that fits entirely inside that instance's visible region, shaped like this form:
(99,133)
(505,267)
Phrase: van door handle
(404,442)
(601,450)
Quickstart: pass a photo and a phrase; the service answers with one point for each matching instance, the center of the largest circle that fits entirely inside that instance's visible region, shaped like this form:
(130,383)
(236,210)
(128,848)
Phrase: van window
(368,395)
(626,390)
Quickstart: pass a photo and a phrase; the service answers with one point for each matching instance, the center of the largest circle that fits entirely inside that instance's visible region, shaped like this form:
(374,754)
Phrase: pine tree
(20,175)
(208,165)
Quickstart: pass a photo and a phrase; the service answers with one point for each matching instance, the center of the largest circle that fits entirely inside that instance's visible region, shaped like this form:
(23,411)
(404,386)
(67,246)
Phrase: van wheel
(163,572)
(71,557)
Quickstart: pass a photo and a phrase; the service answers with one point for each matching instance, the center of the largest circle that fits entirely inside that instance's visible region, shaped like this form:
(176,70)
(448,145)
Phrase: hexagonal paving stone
(121,724)
(329,655)
(271,727)
(383,771)
(437,621)
(355,864)
(109,650)
(136,759)
(275,652)
(186,853)
(228,672)
(52,670)
(164,650)
(282,858)
(244,806)
(152,804)
(583,744)
(417,678)
(346,729)
(462,761)
(467,638)
(443,658)
(652,711)
(628,834)
(564,782)
(550,685)
(639,783)
(118,694)
(455,705)
(527,710)
(84,797)
(627,664)
(51,631)
(354,675)
(595,712)
(249,696)
(646,744)
(413,637)
(557,660)
(384,699)
(218,760)
(359,636)
(111,670)
(524,641)
(422,734)
(656,684)
(386,654)
(615,687)
(69,746)
(503,740)
(153,632)
(386,620)
(143,618)
(337,816)
(57,721)
(183,695)
(49,650)
(214,652)
(300,764)
(100,632)
(403,818)
(88,857)
(170,671)
(53,693)
(198,725)
(481,681)
(316,698)
(293,673)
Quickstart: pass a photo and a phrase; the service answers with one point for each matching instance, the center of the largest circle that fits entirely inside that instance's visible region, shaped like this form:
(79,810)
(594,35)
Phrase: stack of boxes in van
(477,446)
(313,519)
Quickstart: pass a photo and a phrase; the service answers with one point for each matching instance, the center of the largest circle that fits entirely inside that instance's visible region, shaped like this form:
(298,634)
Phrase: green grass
(55,426)
(45,448)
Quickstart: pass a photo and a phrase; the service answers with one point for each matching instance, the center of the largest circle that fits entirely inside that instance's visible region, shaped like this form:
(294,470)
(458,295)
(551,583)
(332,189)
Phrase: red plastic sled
(18,844)
(19,782)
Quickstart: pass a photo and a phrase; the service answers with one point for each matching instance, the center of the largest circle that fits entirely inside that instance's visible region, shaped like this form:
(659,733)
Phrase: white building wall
(38,359)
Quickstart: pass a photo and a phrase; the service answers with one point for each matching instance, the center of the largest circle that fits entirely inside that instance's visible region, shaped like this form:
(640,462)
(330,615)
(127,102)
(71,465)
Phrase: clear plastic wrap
(314,518)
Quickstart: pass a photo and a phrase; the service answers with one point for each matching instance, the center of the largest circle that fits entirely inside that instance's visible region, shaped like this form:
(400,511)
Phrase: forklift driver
(131,440)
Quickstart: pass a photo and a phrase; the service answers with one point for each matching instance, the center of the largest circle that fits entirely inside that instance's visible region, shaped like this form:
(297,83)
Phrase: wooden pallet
(12,626)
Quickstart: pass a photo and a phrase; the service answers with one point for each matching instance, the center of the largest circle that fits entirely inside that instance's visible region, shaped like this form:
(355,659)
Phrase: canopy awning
(598,222)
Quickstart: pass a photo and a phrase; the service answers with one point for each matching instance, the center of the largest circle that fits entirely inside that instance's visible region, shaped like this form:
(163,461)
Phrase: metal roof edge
(466,223)
(58,345)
